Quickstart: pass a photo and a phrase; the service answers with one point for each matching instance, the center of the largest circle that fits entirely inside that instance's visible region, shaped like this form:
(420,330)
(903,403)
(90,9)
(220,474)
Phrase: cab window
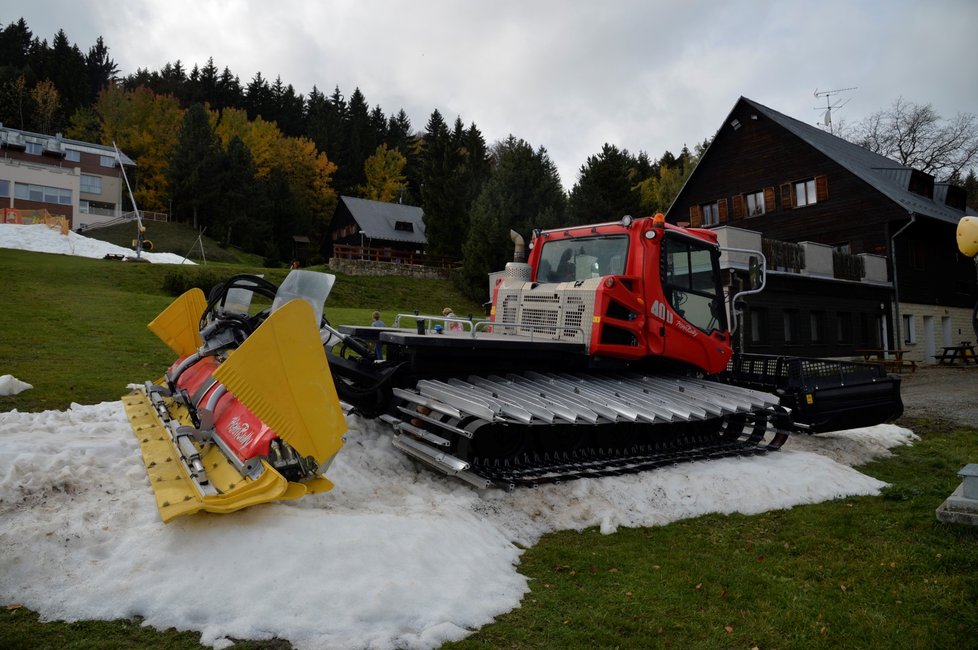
(569,260)
(690,281)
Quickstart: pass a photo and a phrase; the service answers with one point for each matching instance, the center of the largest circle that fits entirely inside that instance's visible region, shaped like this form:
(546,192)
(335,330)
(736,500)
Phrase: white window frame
(711,213)
(754,203)
(91,181)
(106,161)
(42,193)
(805,193)
(33,148)
(73,155)
(909,328)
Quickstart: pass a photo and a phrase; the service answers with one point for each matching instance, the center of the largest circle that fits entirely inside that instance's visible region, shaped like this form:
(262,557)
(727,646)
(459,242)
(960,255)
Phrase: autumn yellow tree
(144,125)
(260,136)
(385,175)
(310,178)
(46,102)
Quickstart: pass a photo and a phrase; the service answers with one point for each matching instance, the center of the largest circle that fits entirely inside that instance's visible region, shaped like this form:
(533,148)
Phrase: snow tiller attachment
(248,413)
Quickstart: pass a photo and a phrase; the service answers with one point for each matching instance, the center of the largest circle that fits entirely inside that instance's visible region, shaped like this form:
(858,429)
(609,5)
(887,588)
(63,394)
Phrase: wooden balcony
(392,255)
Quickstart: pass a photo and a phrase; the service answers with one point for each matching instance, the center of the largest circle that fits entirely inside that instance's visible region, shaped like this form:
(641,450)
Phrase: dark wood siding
(762,154)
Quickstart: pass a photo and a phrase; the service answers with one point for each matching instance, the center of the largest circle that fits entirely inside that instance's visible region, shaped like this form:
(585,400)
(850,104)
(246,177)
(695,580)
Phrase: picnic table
(965,351)
(891,359)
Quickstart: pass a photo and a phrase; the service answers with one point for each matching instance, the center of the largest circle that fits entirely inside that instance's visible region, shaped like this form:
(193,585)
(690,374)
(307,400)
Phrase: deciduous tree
(385,175)
(915,135)
(46,100)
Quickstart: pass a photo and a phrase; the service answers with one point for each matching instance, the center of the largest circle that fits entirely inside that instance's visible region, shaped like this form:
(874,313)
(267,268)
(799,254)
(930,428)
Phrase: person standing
(450,325)
(378,348)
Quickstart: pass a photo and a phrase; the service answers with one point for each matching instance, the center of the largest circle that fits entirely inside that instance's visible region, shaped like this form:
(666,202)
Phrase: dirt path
(942,393)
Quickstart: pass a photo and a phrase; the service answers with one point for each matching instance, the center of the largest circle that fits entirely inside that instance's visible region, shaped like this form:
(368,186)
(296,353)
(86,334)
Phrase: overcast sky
(566,75)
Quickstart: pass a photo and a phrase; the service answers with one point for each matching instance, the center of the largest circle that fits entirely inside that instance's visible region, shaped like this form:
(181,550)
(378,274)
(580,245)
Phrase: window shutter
(769,199)
(695,217)
(821,188)
(722,210)
(787,196)
(738,206)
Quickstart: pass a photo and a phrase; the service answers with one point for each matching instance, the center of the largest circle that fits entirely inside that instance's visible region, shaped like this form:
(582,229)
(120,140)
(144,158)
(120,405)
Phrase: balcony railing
(392,255)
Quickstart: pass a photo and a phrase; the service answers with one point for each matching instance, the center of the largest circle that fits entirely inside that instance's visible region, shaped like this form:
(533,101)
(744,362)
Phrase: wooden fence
(393,255)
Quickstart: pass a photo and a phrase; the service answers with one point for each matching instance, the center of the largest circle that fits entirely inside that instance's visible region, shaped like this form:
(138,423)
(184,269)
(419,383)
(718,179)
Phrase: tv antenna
(827,94)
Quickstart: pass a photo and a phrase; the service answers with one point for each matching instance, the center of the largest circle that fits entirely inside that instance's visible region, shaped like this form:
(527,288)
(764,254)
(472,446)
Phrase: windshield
(566,260)
(690,275)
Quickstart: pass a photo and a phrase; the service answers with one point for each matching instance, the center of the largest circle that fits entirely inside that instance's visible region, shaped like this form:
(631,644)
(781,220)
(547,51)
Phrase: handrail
(473,327)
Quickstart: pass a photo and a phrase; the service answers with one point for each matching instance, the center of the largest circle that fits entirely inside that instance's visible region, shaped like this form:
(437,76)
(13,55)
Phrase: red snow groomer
(607,352)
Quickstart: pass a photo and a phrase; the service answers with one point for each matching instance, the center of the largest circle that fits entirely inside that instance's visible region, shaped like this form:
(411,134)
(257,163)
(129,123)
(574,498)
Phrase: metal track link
(676,419)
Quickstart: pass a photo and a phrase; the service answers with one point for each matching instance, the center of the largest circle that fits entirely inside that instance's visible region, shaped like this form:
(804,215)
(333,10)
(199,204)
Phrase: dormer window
(404,226)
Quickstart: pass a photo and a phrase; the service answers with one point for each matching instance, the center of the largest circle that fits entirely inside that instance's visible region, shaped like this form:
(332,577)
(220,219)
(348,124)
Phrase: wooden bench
(891,360)
(965,352)
(892,365)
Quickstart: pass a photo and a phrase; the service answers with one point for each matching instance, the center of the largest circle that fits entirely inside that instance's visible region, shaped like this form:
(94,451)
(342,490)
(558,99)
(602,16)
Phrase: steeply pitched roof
(887,176)
(390,221)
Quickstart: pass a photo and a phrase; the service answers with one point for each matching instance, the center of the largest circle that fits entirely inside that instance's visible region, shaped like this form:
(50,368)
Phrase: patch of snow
(10,385)
(43,239)
(396,556)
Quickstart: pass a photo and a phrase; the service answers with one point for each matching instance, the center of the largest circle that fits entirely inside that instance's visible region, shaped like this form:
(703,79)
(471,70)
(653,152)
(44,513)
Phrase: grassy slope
(75,328)
(172,238)
(872,572)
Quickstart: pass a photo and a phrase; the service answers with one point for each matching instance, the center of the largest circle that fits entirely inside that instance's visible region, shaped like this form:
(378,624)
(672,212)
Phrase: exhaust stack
(519,250)
(518,270)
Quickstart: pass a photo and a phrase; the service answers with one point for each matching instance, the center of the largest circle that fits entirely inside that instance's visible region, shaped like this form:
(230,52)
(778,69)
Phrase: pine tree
(101,70)
(193,165)
(522,193)
(437,202)
(605,190)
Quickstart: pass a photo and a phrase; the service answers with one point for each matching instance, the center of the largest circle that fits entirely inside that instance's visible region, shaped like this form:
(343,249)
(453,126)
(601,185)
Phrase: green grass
(75,328)
(866,572)
(172,237)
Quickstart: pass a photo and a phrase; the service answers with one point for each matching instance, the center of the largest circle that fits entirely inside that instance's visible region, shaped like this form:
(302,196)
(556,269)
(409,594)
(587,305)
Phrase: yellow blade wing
(281,374)
(179,324)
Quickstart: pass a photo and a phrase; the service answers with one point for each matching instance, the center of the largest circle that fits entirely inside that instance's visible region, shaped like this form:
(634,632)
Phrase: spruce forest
(257,162)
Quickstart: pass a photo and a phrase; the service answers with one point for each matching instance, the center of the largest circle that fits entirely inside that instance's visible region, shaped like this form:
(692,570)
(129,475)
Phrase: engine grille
(561,313)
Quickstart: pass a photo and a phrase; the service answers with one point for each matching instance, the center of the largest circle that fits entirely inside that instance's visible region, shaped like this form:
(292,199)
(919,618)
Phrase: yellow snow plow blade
(179,324)
(281,374)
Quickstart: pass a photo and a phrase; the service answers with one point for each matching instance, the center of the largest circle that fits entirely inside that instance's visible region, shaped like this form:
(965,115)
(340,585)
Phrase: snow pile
(42,239)
(395,556)
(10,385)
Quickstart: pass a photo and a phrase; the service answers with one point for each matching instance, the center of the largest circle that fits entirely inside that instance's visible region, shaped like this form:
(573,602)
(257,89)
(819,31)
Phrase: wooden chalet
(797,184)
(364,229)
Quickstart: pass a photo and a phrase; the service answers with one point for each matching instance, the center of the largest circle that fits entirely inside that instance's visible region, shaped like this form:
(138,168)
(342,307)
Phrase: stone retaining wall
(364,267)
